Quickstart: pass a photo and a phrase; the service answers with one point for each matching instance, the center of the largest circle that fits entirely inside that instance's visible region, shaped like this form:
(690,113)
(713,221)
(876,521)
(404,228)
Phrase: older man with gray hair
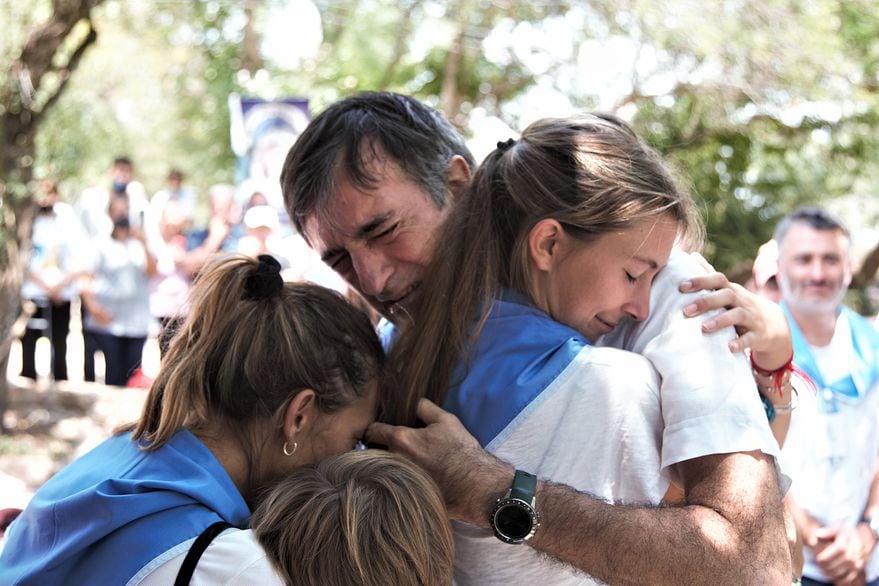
(833,443)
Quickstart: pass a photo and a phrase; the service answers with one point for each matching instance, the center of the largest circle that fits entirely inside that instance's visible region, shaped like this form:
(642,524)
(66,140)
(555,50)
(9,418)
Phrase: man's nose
(372,272)
(816,270)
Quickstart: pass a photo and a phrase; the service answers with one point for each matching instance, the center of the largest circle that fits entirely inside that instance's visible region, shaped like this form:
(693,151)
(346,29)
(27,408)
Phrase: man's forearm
(640,545)
(689,544)
(729,530)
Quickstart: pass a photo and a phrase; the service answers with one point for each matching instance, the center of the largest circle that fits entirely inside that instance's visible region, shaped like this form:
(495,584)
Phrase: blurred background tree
(762,105)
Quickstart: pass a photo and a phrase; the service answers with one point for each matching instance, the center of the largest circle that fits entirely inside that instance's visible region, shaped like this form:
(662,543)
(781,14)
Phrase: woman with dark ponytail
(263,377)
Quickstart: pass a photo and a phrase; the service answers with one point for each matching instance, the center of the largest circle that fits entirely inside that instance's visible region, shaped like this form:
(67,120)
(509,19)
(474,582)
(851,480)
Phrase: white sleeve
(709,399)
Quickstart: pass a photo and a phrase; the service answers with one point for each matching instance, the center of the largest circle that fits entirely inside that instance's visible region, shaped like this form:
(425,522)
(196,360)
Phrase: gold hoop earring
(290,453)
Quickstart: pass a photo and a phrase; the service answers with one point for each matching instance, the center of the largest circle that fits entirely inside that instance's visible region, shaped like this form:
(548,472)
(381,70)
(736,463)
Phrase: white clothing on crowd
(54,241)
(121,287)
(95,219)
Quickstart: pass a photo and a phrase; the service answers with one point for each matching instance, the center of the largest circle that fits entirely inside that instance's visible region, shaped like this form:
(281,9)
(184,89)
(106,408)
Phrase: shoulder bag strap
(198,547)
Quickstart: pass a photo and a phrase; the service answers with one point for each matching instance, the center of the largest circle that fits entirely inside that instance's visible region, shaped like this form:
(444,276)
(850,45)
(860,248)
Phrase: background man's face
(380,239)
(813,268)
(122,173)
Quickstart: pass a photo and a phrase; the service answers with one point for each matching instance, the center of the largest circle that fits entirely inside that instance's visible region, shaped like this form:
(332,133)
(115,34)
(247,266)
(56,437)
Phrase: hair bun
(505,145)
(265,281)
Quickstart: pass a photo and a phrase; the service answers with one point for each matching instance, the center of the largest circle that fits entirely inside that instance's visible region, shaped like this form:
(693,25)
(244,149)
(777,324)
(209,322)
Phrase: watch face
(513,520)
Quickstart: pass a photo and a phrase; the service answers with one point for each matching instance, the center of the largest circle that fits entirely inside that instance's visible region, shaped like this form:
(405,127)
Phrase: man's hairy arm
(728,530)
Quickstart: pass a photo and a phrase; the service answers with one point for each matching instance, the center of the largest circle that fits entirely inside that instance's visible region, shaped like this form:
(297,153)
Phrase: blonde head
(368,518)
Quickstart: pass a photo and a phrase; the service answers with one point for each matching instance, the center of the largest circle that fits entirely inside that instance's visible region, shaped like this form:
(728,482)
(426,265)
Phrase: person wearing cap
(833,442)
(261,223)
(764,272)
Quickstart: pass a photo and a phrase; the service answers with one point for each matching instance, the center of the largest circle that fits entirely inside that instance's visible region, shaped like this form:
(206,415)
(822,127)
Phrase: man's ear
(458,177)
(544,243)
(300,413)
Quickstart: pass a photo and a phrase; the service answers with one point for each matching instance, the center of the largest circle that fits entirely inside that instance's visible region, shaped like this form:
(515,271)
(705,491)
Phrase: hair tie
(265,281)
(505,145)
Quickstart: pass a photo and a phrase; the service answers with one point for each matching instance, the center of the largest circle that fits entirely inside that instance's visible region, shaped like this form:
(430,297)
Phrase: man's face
(122,173)
(379,239)
(813,268)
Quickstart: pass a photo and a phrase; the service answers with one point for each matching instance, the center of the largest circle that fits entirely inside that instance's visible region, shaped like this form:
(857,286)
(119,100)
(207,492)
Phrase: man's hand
(842,553)
(470,478)
(760,323)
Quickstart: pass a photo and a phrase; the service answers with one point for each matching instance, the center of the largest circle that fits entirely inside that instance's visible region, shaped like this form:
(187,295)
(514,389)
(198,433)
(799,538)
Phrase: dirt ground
(49,427)
(51,423)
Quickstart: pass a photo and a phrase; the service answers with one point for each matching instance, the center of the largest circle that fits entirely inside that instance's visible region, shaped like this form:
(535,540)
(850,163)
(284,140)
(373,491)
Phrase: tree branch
(867,270)
(403,31)
(67,70)
(40,48)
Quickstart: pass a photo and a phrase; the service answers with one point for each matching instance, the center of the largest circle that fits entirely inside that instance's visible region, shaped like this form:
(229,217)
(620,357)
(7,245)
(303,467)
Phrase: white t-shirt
(234,558)
(832,456)
(559,437)
(56,252)
(121,287)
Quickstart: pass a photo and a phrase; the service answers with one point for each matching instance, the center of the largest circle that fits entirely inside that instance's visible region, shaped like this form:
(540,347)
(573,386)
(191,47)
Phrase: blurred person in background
(832,446)
(50,280)
(262,234)
(175,269)
(224,224)
(97,225)
(116,295)
(175,191)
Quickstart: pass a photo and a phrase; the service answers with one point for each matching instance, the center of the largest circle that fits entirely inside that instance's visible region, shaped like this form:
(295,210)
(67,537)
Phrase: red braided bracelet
(776,375)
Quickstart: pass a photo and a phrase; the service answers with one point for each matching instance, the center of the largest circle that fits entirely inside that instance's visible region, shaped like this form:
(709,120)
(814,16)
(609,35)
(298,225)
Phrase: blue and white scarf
(864,372)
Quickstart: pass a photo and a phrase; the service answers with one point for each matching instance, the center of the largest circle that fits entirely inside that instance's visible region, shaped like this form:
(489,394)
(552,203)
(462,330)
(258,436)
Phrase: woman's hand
(760,323)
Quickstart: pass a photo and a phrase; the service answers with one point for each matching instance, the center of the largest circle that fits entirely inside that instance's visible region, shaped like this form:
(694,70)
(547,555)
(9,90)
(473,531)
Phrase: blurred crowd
(126,261)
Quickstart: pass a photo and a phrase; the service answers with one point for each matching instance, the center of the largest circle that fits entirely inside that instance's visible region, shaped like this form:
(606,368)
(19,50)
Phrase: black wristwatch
(515,518)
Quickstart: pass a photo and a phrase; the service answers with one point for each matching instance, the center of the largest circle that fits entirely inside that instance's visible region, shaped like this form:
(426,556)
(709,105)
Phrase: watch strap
(524,486)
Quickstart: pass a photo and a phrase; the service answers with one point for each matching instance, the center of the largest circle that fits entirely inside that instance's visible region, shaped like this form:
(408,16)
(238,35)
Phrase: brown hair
(591,173)
(237,360)
(351,133)
(369,518)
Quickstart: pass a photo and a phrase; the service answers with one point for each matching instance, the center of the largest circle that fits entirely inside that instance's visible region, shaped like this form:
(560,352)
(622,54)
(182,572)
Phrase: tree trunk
(45,47)
(252,60)
(867,271)
(450,98)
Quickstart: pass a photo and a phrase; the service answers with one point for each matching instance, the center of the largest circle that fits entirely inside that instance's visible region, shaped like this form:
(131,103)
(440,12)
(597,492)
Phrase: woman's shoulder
(618,366)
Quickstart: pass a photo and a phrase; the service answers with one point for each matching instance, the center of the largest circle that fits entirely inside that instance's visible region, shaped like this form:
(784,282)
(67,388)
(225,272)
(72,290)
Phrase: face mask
(119,187)
(122,223)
